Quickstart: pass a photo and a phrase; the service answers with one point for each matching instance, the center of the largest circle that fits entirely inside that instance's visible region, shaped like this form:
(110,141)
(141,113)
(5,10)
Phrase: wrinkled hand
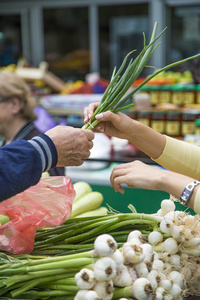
(135,174)
(73,144)
(117,125)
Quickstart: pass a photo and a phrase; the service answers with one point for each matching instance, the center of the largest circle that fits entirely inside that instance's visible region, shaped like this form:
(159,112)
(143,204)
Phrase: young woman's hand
(118,125)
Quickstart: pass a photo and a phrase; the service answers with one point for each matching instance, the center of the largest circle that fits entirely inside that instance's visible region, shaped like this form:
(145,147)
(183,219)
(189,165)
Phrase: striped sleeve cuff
(47,150)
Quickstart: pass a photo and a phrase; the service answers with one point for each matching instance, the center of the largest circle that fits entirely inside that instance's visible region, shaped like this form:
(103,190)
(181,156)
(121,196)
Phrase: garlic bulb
(132,253)
(85,279)
(104,289)
(105,245)
(142,289)
(104,269)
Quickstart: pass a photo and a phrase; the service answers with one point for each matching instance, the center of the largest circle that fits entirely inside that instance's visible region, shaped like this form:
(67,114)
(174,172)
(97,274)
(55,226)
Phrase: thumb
(107,116)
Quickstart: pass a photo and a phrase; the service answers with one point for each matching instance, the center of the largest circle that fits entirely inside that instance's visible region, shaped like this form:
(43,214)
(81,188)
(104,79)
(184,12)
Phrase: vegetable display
(156,257)
(118,91)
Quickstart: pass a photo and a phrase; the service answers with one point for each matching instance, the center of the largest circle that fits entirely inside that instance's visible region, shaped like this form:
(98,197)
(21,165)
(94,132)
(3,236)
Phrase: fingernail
(99,116)
(89,115)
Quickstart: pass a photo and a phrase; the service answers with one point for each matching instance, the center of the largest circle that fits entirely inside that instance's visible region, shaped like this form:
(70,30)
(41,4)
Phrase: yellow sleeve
(197,202)
(181,157)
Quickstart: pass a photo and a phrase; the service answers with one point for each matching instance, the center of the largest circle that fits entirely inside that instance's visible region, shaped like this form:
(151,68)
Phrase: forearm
(23,164)
(182,157)
(174,184)
(146,139)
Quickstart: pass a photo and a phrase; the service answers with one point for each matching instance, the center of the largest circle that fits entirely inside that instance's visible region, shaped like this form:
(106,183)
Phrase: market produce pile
(115,256)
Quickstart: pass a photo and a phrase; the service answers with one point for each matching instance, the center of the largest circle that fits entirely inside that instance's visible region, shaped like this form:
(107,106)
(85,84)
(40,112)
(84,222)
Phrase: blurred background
(77,37)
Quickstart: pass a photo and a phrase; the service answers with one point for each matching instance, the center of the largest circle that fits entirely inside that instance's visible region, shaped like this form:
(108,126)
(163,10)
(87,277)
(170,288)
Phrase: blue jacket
(22,163)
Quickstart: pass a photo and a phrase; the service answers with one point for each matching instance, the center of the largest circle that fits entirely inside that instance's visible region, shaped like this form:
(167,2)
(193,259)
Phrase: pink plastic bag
(48,203)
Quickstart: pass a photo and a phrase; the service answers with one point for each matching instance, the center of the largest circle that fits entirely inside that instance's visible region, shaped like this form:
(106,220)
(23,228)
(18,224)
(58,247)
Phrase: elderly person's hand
(73,144)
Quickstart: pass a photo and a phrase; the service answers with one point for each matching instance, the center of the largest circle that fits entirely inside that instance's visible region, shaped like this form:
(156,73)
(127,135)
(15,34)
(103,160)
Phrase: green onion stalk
(118,91)
(15,280)
(78,234)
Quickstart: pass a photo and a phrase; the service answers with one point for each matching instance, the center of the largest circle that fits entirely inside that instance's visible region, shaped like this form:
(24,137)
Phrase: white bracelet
(187,192)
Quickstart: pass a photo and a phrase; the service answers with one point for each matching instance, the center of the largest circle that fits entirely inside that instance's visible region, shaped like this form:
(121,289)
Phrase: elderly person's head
(15,97)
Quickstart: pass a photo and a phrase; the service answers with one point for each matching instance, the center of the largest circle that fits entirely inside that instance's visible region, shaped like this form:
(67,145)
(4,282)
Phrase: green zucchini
(100,211)
(88,202)
(81,188)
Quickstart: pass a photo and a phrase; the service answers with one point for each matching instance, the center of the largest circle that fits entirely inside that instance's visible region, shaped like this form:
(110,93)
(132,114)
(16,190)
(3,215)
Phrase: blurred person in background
(17,115)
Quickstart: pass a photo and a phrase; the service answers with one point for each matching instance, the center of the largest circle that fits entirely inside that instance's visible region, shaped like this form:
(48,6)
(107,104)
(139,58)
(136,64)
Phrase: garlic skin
(170,246)
(147,250)
(104,289)
(91,295)
(132,253)
(153,277)
(80,295)
(175,291)
(141,269)
(159,296)
(155,237)
(85,279)
(136,237)
(123,278)
(166,284)
(177,277)
(118,257)
(158,265)
(142,289)
(166,225)
(104,269)
(105,245)
(167,205)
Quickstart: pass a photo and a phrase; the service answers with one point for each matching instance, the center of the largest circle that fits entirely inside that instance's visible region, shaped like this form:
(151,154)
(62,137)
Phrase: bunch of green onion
(78,234)
(118,91)
(161,265)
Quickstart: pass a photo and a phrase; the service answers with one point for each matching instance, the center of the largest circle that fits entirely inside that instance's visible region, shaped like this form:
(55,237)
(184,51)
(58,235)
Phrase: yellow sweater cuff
(197,202)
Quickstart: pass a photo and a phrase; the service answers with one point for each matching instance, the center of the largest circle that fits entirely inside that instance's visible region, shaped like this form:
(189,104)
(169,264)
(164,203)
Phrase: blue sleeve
(22,163)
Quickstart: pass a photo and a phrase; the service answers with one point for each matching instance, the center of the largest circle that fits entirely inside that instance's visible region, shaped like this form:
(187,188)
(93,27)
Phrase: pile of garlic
(164,265)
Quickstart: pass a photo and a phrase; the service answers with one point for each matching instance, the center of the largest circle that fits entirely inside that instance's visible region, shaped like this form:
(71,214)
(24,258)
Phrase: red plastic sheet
(47,204)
